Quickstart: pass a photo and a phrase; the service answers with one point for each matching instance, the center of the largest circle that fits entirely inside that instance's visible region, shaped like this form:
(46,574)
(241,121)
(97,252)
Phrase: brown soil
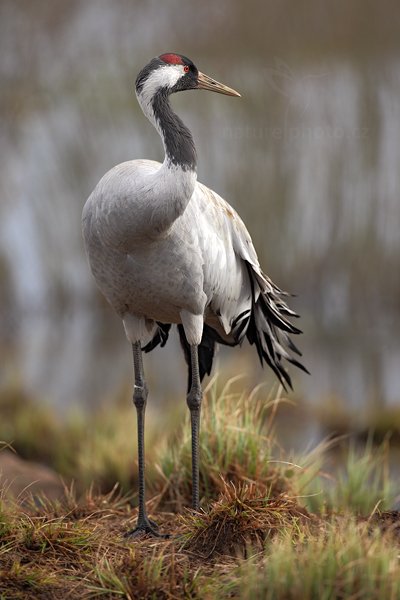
(21,479)
(388,521)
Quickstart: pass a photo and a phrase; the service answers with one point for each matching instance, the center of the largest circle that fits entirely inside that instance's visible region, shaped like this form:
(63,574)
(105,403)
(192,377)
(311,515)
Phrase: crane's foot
(145,526)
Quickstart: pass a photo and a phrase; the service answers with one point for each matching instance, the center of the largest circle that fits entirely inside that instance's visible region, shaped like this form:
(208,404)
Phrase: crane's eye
(186,69)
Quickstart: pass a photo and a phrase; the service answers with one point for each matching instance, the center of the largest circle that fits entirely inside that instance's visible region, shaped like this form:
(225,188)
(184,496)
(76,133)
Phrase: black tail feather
(268,330)
(206,351)
(160,337)
(274,314)
(293,347)
(298,364)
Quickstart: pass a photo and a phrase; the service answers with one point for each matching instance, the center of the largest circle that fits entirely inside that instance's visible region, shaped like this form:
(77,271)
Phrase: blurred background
(309,156)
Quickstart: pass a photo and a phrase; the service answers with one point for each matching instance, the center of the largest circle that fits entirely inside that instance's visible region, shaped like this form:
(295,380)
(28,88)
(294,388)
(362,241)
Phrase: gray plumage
(165,249)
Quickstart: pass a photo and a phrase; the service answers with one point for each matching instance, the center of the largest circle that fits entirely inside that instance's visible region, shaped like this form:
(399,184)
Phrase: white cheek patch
(169,75)
(164,76)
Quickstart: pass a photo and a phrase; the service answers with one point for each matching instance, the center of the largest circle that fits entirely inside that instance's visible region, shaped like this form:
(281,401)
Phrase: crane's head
(175,73)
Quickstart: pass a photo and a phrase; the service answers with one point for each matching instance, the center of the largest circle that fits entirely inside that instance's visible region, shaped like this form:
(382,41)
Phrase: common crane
(165,249)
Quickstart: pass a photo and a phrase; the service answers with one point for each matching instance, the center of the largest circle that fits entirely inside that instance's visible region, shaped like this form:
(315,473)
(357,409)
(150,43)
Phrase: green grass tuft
(236,442)
(344,559)
(361,484)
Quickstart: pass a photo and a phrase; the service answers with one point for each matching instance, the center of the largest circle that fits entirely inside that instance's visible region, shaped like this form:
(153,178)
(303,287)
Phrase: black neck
(178,141)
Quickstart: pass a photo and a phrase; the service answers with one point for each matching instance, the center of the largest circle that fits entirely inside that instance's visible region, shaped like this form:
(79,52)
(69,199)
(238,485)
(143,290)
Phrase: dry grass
(76,548)
(268,528)
(242,518)
(243,546)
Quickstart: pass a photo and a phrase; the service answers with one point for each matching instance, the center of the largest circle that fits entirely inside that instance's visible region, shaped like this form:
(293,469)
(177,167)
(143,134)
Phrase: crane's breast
(153,277)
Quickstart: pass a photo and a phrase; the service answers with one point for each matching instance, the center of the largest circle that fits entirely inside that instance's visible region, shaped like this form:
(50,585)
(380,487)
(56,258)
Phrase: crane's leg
(144,524)
(194,398)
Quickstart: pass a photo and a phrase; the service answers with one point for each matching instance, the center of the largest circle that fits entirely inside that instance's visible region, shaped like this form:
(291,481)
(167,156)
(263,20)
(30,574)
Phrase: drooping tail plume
(269,328)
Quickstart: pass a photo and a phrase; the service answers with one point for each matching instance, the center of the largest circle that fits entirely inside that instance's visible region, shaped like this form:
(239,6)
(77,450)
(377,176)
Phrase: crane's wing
(242,298)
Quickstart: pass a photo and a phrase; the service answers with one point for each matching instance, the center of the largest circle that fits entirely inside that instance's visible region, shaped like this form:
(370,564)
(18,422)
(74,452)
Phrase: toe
(146,527)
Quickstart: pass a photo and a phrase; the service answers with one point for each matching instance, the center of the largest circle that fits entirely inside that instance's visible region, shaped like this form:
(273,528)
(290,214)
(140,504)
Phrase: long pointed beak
(207,83)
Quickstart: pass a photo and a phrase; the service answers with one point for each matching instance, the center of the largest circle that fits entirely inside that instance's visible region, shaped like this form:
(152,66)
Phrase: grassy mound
(241,518)
(243,546)
(270,526)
